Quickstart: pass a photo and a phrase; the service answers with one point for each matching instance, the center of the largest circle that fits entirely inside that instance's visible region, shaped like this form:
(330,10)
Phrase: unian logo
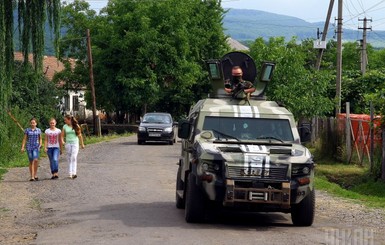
(349,236)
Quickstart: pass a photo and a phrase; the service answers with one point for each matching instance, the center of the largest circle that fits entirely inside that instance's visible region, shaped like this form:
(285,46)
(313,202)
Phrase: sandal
(32,179)
(36,178)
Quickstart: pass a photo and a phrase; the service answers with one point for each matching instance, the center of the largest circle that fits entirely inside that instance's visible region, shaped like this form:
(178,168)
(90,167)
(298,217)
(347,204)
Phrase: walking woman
(53,146)
(32,137)
(72,136)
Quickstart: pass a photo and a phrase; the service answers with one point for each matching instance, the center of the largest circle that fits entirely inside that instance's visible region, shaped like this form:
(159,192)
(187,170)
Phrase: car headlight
(142,129)
(168,130)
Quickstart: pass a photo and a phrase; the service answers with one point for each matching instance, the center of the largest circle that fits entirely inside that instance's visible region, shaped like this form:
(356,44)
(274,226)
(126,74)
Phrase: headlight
(301,169)
(142,129)
(306,170)
(209,166)
(168,130)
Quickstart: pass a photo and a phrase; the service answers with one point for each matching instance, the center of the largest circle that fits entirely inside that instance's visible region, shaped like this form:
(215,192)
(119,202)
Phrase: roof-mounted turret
(220,71)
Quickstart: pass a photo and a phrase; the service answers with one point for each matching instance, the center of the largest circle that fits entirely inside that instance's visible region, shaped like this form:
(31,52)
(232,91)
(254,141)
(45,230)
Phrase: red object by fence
(360,128)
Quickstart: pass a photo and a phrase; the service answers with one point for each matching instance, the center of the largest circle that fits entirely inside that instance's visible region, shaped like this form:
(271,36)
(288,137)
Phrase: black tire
(140,142)
(179,201)
(171,142)
(302,214)
(195,202)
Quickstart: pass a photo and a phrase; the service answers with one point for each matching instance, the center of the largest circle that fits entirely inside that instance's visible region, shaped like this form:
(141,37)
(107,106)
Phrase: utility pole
(364,56)
(339,58)
(324,34)
(92,85)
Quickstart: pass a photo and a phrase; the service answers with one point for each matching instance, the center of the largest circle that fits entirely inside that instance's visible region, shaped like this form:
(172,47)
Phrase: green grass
(352,182)
(105,138)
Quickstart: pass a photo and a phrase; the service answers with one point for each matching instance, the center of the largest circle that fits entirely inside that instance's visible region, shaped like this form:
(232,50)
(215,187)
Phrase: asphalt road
(125,194)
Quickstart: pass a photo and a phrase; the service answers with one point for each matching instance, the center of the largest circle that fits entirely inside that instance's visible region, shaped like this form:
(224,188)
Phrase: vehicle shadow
(165,214)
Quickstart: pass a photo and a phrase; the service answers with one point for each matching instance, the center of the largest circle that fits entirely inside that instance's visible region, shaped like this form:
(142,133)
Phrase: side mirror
(305,132)
(215,69)
(267,71)
(184,128)
(264,78)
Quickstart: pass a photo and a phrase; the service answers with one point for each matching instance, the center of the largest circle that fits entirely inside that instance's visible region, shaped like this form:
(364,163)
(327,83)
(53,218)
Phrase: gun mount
(220,72)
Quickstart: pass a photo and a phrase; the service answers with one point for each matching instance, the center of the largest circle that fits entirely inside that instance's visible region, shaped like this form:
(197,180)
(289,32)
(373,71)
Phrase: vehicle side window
(193,120)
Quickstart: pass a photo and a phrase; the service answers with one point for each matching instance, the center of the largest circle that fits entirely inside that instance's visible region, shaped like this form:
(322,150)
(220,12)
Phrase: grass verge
(352,182)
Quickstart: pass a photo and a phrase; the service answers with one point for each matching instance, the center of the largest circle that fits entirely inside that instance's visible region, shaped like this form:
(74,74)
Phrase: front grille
(273,172)
(158,130)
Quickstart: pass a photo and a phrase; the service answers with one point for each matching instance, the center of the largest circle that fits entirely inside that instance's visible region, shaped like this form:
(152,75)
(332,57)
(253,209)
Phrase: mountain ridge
(248,24)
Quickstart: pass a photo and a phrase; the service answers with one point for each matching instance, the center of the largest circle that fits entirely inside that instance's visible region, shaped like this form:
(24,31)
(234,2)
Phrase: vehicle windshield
(249,128)
(156,118)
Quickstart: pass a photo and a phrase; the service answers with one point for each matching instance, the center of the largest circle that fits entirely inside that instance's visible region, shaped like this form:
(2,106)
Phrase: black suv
(156,126)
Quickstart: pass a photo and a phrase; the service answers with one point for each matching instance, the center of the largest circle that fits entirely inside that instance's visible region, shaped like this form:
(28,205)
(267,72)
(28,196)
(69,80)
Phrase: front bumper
(146,136)
(235,194)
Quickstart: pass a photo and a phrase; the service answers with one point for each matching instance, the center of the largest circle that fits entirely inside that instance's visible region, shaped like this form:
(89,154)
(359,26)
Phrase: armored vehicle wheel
(302,214)
(195,202)
(180,202)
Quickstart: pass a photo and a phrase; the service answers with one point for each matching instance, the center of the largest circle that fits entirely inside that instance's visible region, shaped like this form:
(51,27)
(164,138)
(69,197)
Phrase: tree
(150,54)
(303,91)
(37,96)
(376,59)
(32,15)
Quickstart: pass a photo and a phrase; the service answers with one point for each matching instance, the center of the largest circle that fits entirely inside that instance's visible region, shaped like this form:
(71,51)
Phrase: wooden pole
(371,130)
(348,133)
(383,154)
(15,120)
(339,58)
(92,84)
(324,34)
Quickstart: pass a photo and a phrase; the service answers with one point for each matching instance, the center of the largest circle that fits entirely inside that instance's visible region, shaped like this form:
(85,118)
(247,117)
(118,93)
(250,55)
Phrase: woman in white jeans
(72,135)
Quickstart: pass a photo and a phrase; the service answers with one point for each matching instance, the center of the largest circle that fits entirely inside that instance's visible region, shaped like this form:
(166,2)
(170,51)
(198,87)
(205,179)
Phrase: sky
(309,10)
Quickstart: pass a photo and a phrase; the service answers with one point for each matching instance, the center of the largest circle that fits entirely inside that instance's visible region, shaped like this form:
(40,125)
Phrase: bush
(11,136)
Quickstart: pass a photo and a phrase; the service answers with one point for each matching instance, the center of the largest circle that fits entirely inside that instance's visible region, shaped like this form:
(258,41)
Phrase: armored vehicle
(243,152)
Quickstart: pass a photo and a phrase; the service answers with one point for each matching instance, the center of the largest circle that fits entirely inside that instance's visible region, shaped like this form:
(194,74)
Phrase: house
(73,102)
(235,45)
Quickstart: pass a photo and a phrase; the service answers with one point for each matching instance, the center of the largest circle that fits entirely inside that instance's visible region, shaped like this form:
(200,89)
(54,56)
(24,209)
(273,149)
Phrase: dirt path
(28,208)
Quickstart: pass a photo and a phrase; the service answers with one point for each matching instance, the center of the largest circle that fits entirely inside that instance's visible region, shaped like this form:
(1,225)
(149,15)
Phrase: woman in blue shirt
(32,137)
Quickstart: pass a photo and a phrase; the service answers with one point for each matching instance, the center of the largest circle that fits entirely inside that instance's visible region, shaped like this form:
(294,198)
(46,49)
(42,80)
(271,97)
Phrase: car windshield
(156,118)
(249,128)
